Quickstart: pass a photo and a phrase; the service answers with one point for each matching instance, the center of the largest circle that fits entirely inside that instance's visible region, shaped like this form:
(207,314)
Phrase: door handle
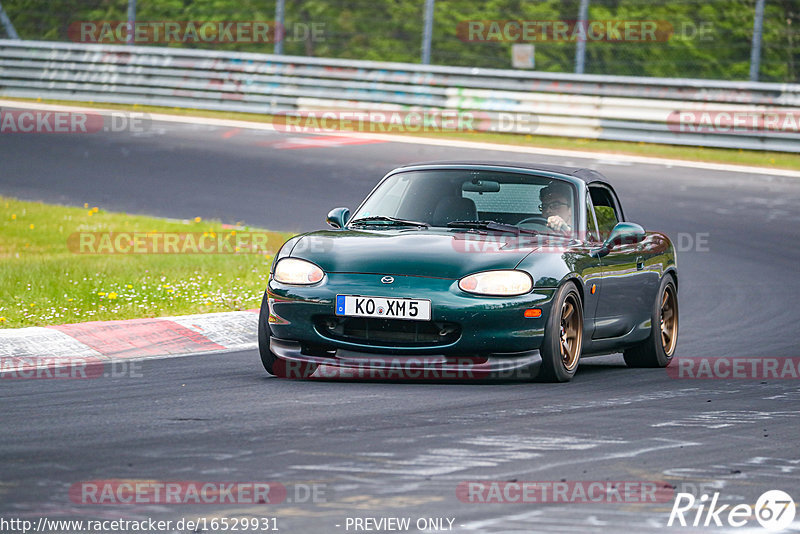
(639,263)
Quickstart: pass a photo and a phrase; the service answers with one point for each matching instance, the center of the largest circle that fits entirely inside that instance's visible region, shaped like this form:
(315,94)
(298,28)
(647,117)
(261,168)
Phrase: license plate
(357,306)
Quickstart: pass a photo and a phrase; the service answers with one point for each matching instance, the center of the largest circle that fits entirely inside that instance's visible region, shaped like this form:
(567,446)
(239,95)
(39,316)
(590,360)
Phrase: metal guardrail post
(427,32)
(280,31)
(755,49)
(131,22)
(580,50)
(10,30)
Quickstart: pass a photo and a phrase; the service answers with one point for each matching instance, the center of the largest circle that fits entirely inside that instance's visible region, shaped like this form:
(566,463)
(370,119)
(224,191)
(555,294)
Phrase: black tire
(659,348)
(561,347)
(268,359)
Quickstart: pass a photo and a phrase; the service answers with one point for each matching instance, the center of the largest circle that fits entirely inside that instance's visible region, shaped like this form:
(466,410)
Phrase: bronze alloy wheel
(669,322)
(657,350)
(571,332)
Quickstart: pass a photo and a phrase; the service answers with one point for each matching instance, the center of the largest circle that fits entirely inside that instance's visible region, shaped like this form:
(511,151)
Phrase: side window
(606,220)
(605,210)
(591,221)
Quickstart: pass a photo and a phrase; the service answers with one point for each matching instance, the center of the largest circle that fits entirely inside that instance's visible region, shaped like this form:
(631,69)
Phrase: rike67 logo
(774,510)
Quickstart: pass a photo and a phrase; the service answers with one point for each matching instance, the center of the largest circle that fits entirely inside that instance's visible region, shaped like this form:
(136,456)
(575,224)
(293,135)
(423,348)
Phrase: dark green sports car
(472,270)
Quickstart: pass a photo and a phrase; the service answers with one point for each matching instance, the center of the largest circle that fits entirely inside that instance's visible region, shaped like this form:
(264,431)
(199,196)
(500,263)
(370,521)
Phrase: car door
(622,303)
(591,271)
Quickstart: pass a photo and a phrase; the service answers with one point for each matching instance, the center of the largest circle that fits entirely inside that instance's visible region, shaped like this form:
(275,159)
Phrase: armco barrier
(746,115)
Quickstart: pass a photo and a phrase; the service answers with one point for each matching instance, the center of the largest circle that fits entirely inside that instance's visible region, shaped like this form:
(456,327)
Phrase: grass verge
(48,276)
(781,160)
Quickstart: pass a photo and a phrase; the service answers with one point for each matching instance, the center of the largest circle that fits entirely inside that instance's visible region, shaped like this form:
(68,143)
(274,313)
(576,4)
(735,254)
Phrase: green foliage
(47,280)
(709,39)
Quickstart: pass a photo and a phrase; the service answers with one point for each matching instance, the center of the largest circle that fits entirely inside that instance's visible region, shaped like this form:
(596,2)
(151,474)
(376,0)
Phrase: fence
(709,39)
(748,115)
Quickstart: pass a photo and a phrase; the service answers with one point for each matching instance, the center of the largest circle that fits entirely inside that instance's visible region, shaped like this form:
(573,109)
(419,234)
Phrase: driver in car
(556,206)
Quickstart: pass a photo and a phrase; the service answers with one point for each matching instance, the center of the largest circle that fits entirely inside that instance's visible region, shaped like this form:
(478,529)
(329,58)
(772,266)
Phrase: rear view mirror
(481,186)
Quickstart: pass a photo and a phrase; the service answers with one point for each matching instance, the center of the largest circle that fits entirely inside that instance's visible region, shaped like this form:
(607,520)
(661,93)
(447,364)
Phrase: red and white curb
(133,339)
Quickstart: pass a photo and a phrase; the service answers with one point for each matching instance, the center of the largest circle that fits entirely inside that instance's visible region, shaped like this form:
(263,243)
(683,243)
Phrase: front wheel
(272,363)
(268,359)
(657,350)
(563,336)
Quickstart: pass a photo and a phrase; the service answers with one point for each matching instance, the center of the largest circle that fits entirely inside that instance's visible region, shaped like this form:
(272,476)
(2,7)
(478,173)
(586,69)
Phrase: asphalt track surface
(384,449)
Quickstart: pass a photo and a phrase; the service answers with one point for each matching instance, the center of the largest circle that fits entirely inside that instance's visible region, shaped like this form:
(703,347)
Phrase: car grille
(398,332)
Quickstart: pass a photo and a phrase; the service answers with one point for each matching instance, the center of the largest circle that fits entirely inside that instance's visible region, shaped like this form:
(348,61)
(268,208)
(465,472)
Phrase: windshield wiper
(388,221)
(492,225)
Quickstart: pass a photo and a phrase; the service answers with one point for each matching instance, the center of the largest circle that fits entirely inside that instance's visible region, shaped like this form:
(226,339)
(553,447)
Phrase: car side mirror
(622,234)
(338,217)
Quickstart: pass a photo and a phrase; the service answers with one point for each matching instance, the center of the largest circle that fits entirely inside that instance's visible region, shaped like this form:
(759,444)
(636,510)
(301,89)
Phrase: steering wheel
(538,219)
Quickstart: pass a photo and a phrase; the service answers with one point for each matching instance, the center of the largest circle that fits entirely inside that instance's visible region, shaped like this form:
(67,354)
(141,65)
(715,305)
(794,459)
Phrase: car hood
(412,252)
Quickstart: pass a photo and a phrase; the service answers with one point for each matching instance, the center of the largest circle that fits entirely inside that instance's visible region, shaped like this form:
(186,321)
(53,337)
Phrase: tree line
(695,38)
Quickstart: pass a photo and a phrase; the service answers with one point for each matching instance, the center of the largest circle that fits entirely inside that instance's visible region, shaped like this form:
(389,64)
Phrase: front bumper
(347,364)
(486,325)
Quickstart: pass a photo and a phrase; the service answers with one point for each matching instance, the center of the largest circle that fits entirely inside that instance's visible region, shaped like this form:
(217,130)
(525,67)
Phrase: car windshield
(457,198)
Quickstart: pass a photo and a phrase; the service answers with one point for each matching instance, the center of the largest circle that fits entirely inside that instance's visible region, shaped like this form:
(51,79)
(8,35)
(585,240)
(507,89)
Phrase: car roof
(581,173)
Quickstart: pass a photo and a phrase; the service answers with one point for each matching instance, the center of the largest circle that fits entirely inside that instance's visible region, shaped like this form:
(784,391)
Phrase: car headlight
(497,283)
(297,272)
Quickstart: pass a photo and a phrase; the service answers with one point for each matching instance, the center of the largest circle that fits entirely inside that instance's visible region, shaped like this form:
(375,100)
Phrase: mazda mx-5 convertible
(472,270)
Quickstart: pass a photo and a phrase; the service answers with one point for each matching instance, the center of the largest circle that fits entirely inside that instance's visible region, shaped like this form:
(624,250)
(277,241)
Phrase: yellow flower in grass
(197,219)
(112,295)
(2,319)
(31,226)
(13,216)
(129,286)
(101,294)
